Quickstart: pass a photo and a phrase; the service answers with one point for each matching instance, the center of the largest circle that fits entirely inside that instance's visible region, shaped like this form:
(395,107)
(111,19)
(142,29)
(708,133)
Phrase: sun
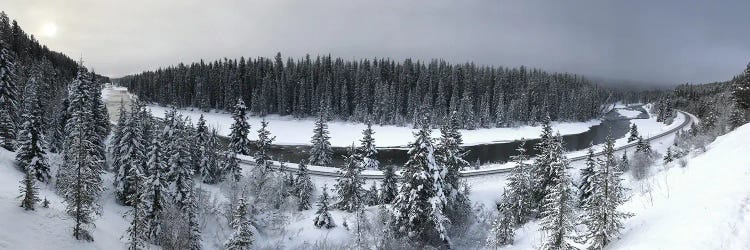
(49,29)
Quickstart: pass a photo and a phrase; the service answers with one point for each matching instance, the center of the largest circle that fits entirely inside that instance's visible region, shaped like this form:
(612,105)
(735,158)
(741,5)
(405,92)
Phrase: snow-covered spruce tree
(323,218)
(542,173)
(741,89)
(303,187)
(242,237)
(8,97)
(117,135)
(643,146)
(668,157)
(737,117)
(212,171)
(131,153)
(155,189)
(349,185)
(184,200)
(557,216)
(419,206)
(100,117)
(449,154)
(137,232)
(232,165)
(79,178)
(587,175)
(518,193)
(624,165)
(179,164)
(262,158)
(29,191)
(371,196)
(633,133)
(321,152)
(601,217)
(201,136)
(240,129)
(30,141)
(367,151)
(389,186)
(190,213)
(502,232)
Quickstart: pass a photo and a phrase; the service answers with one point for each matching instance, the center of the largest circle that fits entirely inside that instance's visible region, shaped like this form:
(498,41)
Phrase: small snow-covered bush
(641,164)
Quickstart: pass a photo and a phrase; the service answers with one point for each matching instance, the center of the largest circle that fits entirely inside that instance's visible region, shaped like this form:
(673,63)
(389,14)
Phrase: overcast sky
(653,41)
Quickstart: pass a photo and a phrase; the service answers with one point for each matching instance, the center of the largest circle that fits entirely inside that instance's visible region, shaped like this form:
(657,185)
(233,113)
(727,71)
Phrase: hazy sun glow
(49,29)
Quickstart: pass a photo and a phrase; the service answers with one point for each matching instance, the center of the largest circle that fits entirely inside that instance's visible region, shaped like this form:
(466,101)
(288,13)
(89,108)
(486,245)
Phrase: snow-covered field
(292,131)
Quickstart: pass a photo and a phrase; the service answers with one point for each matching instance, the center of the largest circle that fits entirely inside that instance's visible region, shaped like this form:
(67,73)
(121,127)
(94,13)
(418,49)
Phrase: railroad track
(482,172)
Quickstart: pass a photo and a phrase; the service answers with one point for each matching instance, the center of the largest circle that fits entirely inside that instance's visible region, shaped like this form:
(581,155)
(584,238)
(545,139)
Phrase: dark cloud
(652,41)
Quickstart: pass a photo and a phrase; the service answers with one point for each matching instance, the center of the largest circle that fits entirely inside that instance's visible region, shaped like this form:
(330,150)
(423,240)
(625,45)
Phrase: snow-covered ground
(51,228)
(705,205)
(628,113)
(292,131)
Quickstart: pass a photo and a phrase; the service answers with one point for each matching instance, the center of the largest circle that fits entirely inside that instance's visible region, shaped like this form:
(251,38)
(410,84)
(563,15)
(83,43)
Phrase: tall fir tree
(8,96)
(349,185)
(558,215)
(131,152)
(242,237)
(389,185)
(30,142)
(419,206)
(502,232)
(29,192)
(601,217)
(202,135)
(303,187)
(137,231)
(265,140)
(156,188)
(240,129)
(741,89)
(518,193)
(449,154)
(543,175)
(79,178)
(367,151)
(212,170)
(587,175)
(232,166)
(321,152)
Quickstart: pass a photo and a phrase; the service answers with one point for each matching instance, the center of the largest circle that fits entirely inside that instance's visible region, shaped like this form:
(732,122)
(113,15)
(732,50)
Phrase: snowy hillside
(705,205)
(44,228)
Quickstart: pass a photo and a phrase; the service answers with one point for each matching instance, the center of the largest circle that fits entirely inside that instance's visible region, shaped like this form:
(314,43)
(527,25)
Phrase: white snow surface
(292,131)
(51,228)
(705,205)
(629,113)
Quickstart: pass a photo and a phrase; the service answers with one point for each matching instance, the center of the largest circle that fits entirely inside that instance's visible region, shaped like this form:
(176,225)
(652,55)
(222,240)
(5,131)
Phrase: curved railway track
(483,172)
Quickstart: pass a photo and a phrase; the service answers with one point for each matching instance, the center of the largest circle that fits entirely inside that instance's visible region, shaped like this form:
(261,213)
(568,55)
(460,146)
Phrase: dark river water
(613,125)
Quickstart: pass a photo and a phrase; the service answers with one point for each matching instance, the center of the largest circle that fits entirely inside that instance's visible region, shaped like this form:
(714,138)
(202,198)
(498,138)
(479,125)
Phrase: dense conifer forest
(384,91)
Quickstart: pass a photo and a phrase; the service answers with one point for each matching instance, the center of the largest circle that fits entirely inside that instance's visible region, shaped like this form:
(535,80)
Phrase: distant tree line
(383,91)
